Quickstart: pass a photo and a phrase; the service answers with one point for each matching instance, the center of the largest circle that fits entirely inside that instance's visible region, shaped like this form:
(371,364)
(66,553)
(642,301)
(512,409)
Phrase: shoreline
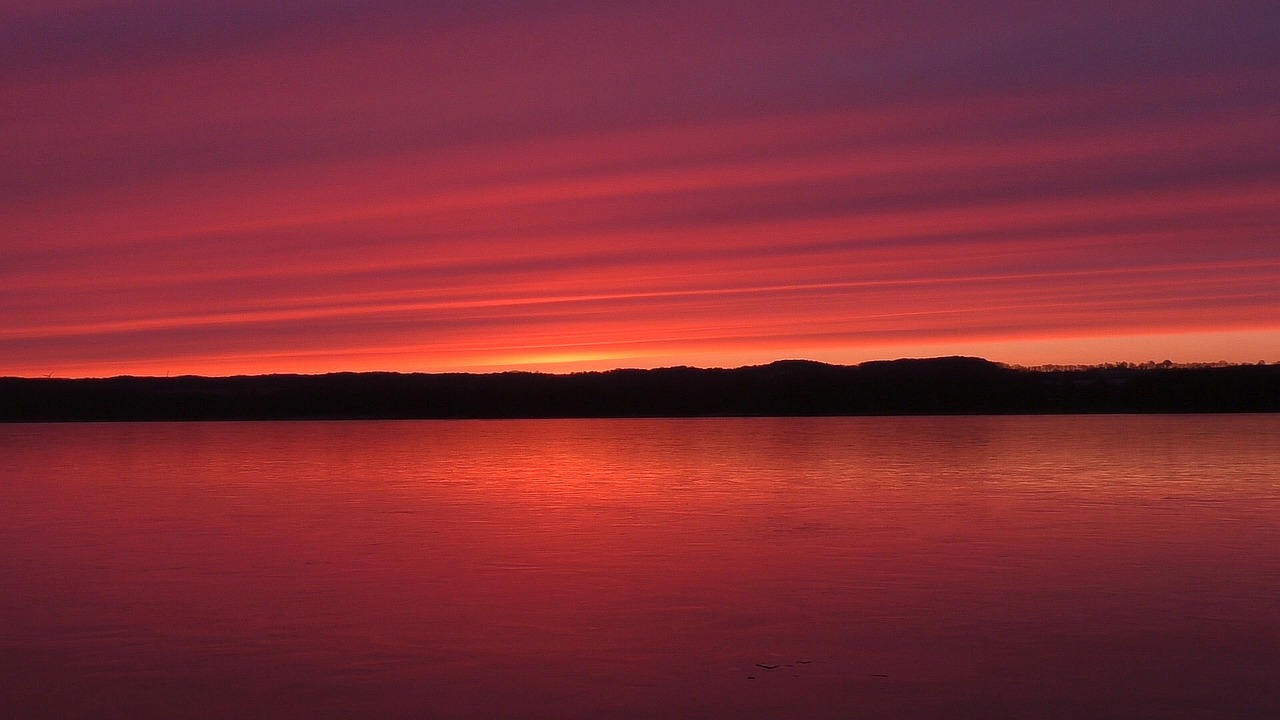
(934,386)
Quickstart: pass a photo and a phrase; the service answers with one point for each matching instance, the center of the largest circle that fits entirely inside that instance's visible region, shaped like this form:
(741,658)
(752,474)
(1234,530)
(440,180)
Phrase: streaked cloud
(253,187)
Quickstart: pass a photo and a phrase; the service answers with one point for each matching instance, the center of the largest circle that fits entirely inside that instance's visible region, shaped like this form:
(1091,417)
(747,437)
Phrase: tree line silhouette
(951,385)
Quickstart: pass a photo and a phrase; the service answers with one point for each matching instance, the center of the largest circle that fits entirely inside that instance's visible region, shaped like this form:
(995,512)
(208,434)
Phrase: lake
(909,567)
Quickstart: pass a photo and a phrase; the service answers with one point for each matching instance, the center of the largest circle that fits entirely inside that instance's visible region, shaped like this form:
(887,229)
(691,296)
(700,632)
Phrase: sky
(253,186)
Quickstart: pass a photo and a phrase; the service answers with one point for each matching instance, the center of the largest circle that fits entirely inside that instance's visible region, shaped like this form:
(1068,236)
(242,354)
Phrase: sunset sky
(250,186)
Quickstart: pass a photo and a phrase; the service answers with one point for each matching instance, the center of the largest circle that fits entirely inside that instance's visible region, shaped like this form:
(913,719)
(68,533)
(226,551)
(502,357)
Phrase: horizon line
(1046,367)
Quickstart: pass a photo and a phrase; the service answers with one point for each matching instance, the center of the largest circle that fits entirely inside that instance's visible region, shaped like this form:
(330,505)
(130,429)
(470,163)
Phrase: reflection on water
(1048,567)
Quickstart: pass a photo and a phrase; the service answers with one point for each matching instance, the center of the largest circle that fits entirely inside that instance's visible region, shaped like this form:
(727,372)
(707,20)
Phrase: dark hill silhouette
(951,385)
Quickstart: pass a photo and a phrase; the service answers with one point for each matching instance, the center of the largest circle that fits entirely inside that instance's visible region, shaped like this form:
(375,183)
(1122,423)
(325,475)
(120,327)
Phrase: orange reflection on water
(897,567)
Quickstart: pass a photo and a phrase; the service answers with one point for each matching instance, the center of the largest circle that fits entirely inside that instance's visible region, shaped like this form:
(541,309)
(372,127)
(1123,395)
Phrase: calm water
(1055,567)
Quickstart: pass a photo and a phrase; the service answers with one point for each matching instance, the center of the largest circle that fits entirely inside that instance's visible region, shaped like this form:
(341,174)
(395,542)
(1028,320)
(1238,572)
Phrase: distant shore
(935,386)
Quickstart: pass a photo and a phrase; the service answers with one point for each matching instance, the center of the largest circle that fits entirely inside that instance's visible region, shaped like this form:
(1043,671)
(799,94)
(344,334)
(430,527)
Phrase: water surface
(989,567)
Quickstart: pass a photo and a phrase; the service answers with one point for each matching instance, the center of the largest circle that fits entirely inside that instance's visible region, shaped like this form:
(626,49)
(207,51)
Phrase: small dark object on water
(751,677)
(879,675)
(766,667)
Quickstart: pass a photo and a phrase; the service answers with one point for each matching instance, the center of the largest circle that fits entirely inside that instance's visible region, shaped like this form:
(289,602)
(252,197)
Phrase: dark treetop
(952,385)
